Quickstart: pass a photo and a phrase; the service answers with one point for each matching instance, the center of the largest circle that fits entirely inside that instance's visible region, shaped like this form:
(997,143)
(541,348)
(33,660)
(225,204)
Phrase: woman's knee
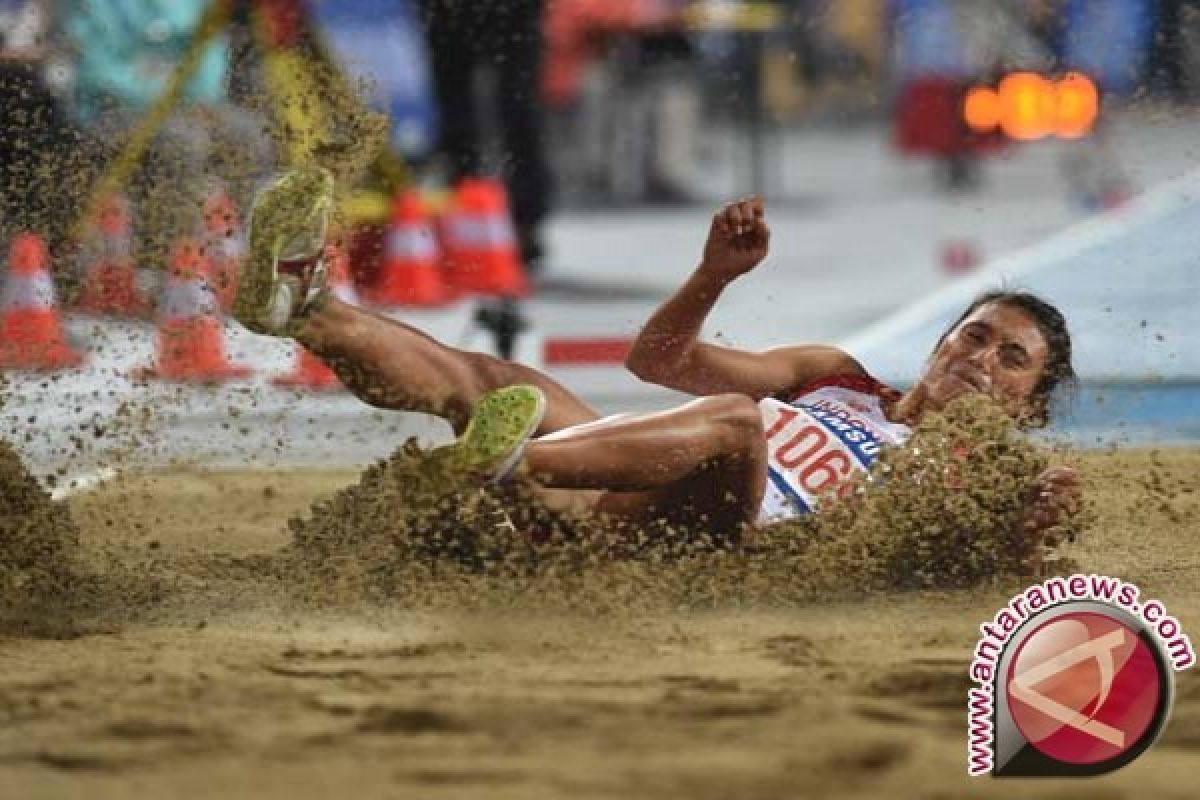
(738,420)
(474,373)
(563,409)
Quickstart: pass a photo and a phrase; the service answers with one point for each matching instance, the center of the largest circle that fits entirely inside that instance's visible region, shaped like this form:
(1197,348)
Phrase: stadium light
(1077,105)
(1026,106)
(981,109)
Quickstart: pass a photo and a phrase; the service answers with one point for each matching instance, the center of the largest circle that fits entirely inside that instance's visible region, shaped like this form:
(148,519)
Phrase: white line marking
(1155,203)
(83,483)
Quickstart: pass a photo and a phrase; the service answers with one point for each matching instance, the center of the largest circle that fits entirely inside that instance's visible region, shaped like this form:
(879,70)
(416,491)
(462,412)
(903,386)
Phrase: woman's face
(999,351)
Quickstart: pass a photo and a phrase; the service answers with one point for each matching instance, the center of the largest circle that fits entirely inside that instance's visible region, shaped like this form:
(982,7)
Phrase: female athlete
(769,434)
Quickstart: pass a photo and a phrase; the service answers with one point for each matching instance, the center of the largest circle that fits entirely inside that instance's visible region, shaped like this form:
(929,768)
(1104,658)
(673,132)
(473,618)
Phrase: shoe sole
(272,227)
(533,423)
(484,439)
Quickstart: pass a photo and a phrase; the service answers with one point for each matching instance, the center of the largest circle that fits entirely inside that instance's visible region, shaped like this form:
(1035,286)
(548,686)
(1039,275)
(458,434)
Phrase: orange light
(981,110)
(1076,106)
(1026,106)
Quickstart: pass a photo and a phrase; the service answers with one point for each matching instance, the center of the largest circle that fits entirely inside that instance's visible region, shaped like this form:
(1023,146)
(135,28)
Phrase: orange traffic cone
(410,275)
(31,333)
(223,245)
(480,244)
(310,372)
(110,278)
(191,341)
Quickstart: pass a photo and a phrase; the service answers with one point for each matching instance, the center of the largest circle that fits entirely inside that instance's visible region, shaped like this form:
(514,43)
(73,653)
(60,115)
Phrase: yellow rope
(746,17)
(117,174)
(305,97)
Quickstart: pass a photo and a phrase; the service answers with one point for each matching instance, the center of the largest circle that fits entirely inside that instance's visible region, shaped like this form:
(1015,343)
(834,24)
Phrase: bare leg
(705,458)
(391,365)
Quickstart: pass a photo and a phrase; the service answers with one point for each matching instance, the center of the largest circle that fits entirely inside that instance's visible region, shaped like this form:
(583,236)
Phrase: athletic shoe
(495,438)
(284,269)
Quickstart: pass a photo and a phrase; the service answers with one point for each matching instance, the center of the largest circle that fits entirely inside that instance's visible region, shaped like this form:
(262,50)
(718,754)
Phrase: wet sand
(226,688)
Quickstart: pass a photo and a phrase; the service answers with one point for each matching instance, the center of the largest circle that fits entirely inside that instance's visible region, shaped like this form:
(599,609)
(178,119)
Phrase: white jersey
(826,433)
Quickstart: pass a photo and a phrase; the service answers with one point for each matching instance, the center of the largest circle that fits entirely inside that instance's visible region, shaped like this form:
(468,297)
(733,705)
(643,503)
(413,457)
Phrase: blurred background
(533,176)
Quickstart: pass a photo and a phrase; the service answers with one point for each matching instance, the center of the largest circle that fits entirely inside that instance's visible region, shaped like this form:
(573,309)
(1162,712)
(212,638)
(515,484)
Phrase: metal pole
(755,91)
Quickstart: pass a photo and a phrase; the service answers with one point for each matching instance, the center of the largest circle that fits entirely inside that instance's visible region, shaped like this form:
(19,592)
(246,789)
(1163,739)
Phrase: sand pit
(39,545)
(233,686)
(942,512)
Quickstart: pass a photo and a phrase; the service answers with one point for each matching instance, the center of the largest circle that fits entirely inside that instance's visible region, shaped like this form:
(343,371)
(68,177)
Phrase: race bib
(816,443)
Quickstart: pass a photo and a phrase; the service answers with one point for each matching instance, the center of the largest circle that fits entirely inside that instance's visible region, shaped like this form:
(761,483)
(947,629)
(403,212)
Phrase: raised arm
(668,351)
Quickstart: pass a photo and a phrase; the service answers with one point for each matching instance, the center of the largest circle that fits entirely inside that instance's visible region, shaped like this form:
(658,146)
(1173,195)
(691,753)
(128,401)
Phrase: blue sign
(927,40)
(381,46)
(1108,40)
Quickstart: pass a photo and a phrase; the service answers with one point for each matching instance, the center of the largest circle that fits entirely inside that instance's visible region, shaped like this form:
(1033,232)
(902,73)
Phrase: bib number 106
(810,454)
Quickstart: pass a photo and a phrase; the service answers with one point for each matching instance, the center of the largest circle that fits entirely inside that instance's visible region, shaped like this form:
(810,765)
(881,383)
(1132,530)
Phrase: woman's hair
(1058,370)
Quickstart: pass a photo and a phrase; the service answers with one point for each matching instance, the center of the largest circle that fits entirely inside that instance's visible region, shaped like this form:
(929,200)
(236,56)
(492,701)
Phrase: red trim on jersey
(858,383)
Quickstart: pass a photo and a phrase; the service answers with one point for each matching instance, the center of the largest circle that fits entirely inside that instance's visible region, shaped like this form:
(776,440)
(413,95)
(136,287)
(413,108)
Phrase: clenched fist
(738,239)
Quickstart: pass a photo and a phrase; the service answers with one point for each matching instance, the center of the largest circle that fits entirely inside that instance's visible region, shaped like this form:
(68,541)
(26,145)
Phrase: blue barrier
(1132,413)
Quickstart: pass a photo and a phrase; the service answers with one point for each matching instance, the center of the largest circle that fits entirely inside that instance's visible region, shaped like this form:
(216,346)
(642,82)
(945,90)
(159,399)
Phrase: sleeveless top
(821,435)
